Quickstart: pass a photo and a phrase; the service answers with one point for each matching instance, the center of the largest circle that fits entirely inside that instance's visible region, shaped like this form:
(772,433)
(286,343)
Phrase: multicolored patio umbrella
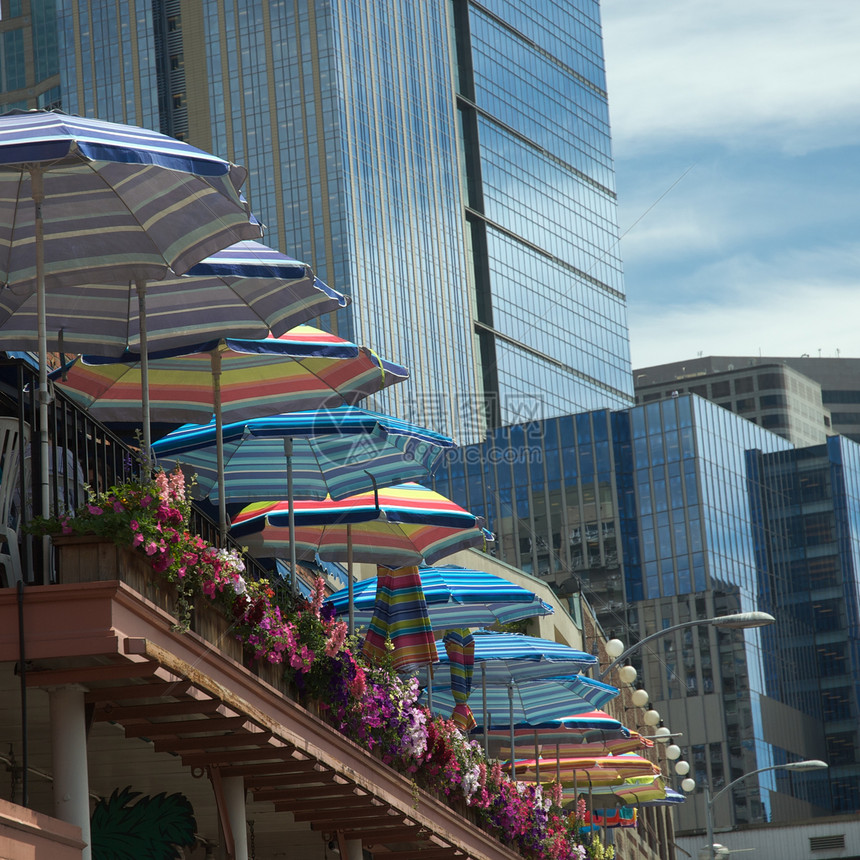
(524,658)
(460,648)
(401,618)
(233,378)
(595,770)
(90,202)
(637,790)
(334,452)
(456,597)
(392,527)
(533,700)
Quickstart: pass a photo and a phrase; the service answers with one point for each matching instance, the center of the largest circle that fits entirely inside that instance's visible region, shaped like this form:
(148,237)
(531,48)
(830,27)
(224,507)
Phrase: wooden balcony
(178,712)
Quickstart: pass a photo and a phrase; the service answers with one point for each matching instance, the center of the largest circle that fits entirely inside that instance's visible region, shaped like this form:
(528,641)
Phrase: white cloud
(741,72)
(789,315)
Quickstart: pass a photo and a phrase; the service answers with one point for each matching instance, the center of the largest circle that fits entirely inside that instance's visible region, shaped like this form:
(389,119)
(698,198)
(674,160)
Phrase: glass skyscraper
(680,510)
(446,164)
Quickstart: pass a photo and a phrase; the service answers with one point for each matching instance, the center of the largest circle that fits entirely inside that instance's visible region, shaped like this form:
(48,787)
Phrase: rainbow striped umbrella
(305,368)
(400,618)
(393,527)
(595,770)
(639,790)
(232,377)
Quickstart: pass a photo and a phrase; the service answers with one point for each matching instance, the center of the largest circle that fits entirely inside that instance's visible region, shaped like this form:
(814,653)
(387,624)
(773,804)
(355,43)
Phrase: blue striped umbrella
(334,452)
(527,701)
(181,311)
(84,201)
(456,597)
(523,658)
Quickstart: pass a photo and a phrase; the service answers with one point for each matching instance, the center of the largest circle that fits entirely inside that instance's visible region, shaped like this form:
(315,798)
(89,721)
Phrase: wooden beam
(233,756)
(186,727)
(328,789)
(187,707)
(380,815)
(383,835)
(243,739)
(431,852)
(92,674)
(129,692)
(319,804)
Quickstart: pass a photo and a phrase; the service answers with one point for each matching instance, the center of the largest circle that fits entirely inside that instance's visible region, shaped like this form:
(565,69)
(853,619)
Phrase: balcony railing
(86,454)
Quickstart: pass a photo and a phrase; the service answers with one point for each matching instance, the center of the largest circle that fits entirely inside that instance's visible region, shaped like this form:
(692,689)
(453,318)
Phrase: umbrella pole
(144,373)
(38,193)
(484,704)
(511,719)
(558,766)
(219,442)
(430,687)
(288,453)
(537,760)
(349,585)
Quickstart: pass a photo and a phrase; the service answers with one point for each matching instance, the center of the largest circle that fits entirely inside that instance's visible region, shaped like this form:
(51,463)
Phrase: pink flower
(150,548)
(134,525)
(94,509)
(137,540)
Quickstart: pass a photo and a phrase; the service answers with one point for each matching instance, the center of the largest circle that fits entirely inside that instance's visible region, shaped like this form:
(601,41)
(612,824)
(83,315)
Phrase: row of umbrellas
(140,252)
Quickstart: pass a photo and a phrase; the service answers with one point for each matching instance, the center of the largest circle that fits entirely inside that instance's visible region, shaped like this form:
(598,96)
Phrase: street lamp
(811,764)
(737,621)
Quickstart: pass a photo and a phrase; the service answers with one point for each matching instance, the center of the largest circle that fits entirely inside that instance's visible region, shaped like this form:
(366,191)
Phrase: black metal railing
(84,454)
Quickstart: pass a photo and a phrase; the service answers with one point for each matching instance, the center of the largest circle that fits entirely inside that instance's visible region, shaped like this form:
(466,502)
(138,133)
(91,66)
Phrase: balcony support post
(69,754)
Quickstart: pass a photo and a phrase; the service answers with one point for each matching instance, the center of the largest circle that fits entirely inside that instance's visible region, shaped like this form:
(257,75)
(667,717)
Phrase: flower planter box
(87,558)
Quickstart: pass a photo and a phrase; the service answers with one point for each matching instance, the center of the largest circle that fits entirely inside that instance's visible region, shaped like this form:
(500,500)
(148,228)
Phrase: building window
(721,389)
(771,380)
(743,385)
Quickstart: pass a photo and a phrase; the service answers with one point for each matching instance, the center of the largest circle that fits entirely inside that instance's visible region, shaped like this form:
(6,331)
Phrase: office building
(678,510)
(796,403)
(446,164)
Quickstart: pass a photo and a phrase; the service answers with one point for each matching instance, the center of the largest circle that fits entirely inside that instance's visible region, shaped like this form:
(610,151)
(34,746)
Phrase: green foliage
(151,829)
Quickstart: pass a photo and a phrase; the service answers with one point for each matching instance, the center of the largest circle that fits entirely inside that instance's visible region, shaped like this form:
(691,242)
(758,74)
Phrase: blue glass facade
(446,164)
(551,313)
(680,510)
(810,499)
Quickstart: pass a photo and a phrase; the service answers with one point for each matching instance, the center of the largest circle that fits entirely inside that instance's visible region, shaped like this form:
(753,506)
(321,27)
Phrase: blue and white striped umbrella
(337,452)
(332,452)
(523,658)
(525,702)
(119,203)
(84,201)
(456,597)
(217,296)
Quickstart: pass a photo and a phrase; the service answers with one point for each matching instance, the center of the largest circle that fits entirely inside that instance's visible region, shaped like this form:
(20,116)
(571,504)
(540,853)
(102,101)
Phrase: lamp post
(737,621)
(812,764)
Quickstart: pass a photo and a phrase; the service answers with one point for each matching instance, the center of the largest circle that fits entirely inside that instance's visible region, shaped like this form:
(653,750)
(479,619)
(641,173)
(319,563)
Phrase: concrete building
(838,378)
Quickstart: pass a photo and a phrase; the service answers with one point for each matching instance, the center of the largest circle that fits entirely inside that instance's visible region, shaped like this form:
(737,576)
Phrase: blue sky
(736,133)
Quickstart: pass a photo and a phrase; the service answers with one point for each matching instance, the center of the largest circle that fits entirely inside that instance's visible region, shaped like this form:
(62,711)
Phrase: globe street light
(812,764)
(737,621)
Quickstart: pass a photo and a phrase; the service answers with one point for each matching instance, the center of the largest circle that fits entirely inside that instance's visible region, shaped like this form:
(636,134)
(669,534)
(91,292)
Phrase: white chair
(10,459)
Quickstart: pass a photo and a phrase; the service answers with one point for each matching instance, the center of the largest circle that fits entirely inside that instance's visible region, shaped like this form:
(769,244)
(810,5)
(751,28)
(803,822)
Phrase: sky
(736,135)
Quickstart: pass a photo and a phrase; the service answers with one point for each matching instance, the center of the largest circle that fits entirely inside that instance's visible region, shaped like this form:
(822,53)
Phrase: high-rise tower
(447,164)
